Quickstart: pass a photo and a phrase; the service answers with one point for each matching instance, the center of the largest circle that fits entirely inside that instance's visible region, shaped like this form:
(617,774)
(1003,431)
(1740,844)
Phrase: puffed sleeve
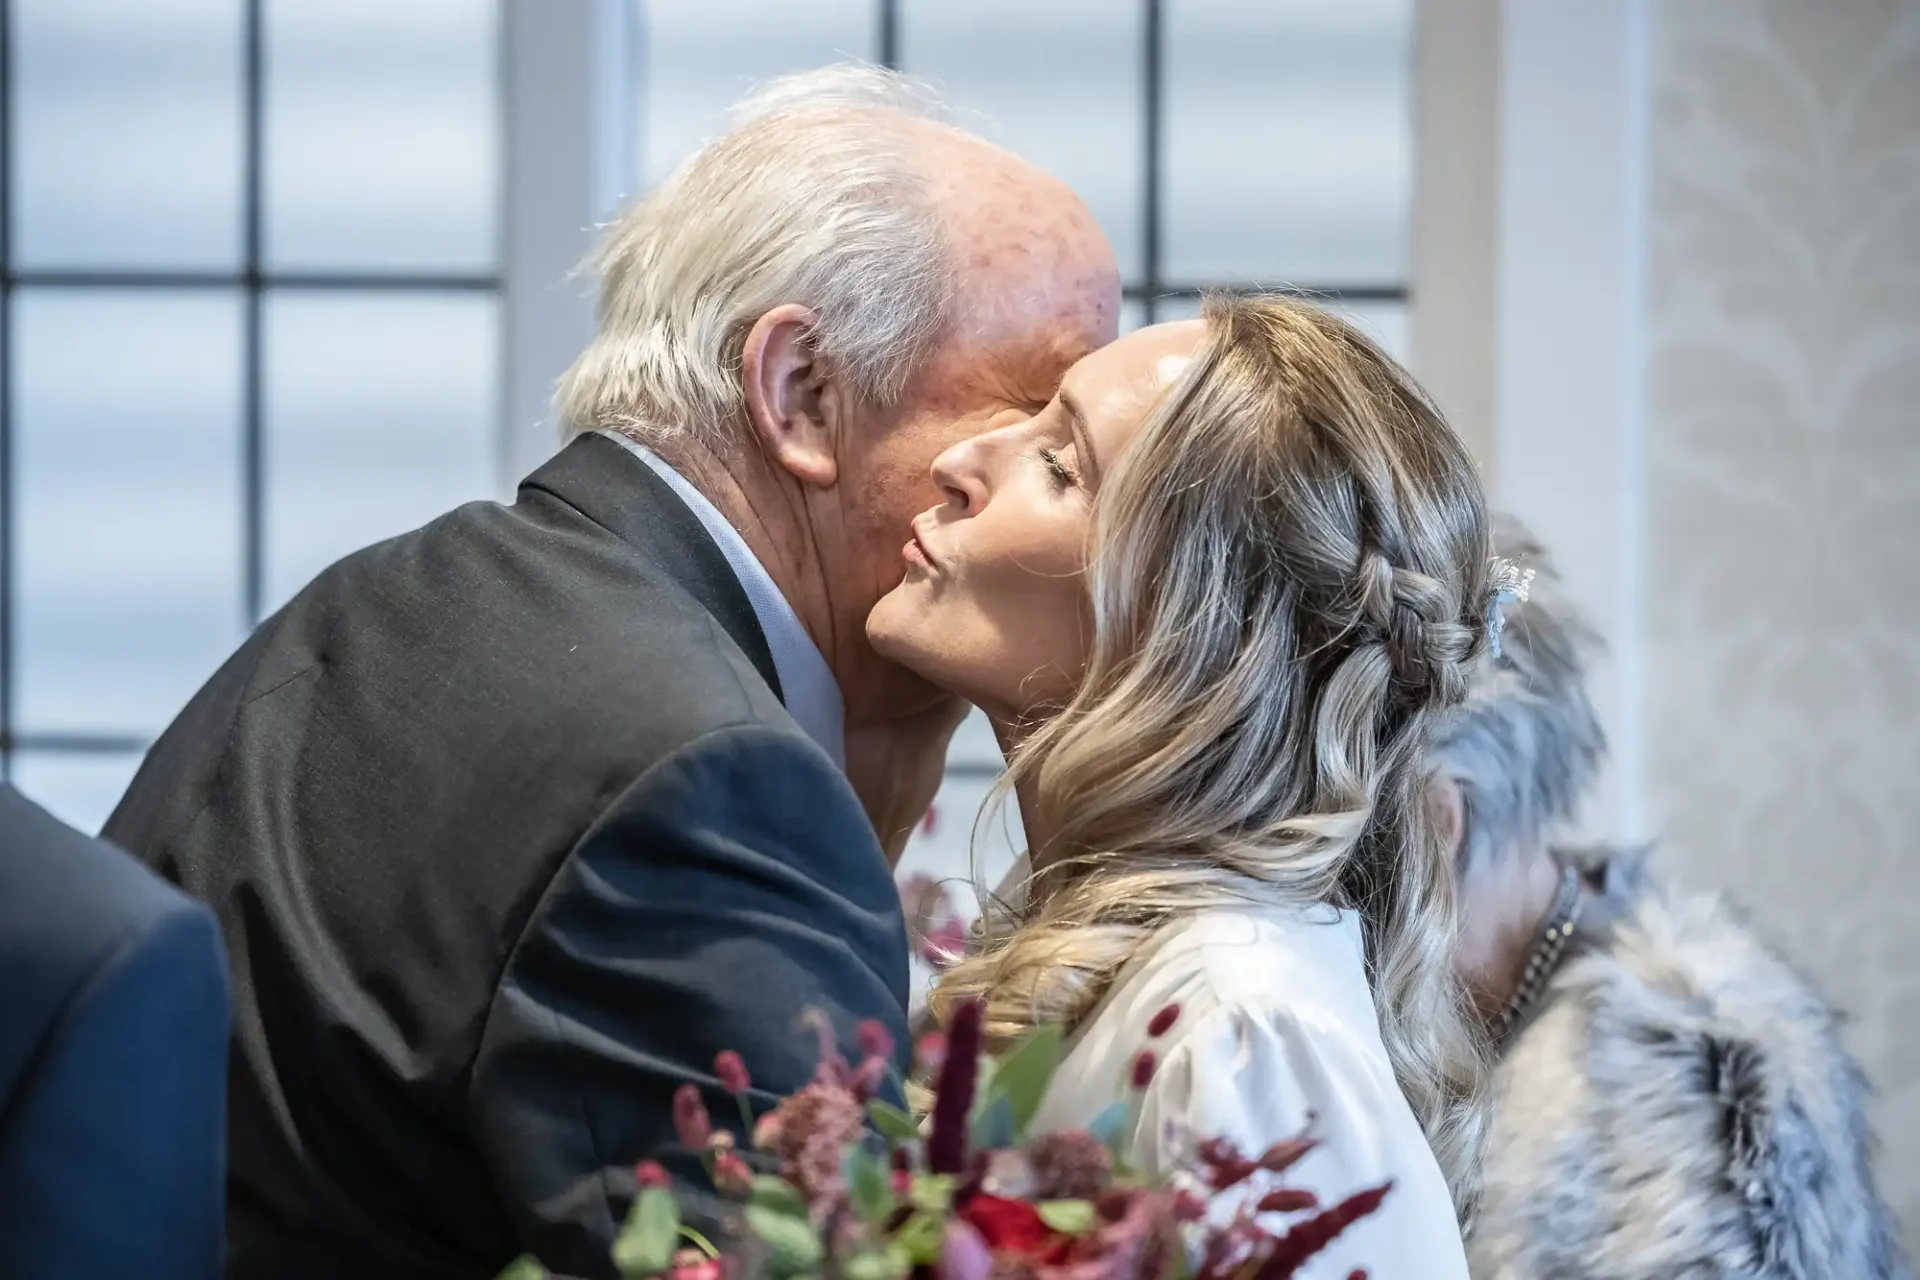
(1258,1076)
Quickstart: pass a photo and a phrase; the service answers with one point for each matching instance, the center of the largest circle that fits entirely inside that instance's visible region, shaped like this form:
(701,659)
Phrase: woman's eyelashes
(1058,471)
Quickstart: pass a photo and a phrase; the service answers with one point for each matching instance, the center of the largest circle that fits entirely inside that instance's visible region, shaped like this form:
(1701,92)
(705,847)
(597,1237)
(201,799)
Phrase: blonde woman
(1213,597)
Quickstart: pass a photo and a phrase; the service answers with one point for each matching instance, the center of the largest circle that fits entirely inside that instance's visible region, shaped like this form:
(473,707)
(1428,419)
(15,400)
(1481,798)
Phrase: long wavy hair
(1288,579)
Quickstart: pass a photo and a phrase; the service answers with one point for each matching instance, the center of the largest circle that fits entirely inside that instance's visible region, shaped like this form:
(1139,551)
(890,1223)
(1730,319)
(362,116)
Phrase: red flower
(732,1072)
(690,1119)
(648,1173)
(1144,1066)
(1010,1226)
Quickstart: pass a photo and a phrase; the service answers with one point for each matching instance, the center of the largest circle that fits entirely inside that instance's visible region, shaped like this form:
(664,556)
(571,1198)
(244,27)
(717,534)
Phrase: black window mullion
(252,454)
(887,33)
(1150,94)
(7,504)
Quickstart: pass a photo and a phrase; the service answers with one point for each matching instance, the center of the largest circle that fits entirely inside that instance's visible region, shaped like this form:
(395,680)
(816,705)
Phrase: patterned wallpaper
(1783,489)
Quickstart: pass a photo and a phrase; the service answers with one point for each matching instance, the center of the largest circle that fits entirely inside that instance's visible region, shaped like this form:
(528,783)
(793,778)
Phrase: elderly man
(513,822)
(1672,1098)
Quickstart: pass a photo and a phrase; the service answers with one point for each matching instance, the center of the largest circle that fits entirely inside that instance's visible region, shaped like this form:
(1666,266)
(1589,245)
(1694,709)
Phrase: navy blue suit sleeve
(114,1159)
(735,885)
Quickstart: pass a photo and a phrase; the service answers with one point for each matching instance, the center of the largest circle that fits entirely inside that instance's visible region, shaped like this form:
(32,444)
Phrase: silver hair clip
(1507,583)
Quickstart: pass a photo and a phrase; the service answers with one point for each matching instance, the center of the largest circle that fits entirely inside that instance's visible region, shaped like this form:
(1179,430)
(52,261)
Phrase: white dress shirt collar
(807,685)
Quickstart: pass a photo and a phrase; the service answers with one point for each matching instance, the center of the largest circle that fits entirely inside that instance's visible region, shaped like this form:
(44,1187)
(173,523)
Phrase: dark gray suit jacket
(509,834)
(113,1057)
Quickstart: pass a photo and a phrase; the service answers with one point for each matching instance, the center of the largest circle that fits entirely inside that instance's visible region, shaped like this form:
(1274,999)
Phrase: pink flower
(944,944)
(964,1254)
(690,1118)
(930,1052)
(731,1174)
(691,1264)
(732,1072)
(874,1039)
(648,1173)
(810,1133)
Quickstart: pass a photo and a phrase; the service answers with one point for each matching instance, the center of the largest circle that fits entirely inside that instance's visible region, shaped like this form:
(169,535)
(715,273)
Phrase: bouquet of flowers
(864,1192)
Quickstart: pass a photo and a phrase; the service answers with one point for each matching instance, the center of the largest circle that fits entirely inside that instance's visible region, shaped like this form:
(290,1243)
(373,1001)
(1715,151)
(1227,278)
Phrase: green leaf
(1068,1217)
(524,1267)
(869,1183)
(1110,1126)
(920,1238)
(1024,1073)
(778,1195)
(793,1245)
(933,1192)
(651,1234)
(874,1264)
(993,1126)
(892,1122)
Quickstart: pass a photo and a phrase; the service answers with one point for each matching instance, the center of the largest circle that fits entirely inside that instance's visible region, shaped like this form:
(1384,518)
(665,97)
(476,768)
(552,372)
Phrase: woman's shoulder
(1260,965)
(1275,1036)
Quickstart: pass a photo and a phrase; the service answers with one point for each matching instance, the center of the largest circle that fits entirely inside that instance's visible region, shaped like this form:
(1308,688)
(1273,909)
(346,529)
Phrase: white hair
(812,196)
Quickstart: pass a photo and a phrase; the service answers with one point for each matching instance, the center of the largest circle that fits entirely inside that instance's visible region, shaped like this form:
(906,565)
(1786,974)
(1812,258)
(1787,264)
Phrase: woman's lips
(916,551)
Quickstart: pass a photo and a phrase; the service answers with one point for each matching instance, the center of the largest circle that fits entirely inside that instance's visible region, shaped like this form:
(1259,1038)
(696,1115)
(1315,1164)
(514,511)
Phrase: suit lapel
(617,491)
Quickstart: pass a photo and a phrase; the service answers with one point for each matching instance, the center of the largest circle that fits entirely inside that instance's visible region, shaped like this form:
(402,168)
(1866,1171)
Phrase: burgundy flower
(1163,1021)
(1144,1065)
(953,1095)
(649,1173)
(1222,1164)
(1305,1239)
(732,1072)
(1288,1200)
(690,1119)
(1069,1165)
(1282,1156)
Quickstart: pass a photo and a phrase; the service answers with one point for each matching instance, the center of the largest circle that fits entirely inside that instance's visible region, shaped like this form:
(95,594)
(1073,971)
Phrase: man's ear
(794,406)
(1448,806)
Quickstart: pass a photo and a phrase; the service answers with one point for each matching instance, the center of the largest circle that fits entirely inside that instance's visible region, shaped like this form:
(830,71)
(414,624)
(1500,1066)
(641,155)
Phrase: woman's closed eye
(1058,471)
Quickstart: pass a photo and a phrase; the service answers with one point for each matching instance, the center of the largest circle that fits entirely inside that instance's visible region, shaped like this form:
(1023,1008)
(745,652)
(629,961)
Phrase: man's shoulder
(559,630)
(70,907)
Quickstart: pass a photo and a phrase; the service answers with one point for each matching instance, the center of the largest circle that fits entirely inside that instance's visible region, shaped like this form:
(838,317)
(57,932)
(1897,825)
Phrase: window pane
(974,747)
(700,56)
(382,134)
(1384,322)
(1288,141)
(381,413)
(128,431)
(79,789)
(1058,83)
(128,133)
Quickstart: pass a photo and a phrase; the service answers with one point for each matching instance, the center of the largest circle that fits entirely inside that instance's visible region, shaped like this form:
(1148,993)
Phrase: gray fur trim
(1526,743)
(1681,1107)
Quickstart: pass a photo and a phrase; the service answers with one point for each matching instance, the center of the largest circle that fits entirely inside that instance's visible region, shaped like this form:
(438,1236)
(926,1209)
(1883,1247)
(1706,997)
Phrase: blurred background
(283,277)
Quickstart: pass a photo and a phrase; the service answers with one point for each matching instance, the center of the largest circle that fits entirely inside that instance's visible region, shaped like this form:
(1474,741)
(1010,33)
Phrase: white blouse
(1276,1022)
